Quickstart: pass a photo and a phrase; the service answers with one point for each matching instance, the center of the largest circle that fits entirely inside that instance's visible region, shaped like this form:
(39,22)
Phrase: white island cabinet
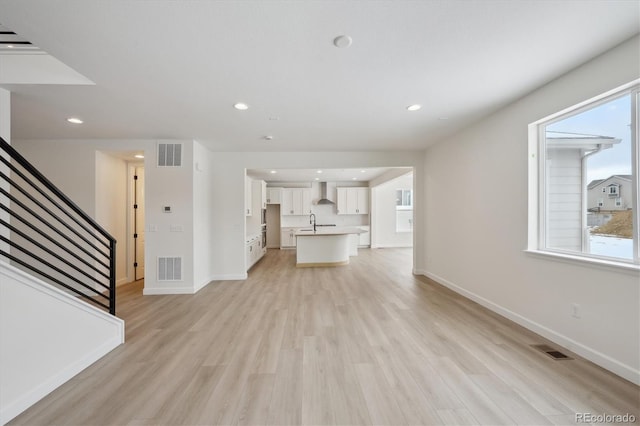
(325,247)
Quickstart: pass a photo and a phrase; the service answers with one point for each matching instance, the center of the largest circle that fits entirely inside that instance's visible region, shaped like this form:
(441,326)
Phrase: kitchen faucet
(312,219)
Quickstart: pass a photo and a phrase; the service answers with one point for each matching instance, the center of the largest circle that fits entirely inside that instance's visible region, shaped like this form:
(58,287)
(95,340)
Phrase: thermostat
(166,209)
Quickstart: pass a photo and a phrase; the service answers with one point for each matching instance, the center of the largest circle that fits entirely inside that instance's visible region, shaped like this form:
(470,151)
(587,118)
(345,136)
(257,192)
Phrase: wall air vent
(169,154)
(169,269)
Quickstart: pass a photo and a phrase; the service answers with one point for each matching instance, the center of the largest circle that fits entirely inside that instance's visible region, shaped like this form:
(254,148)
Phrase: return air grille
(169,155)
(553,353)
(169,269)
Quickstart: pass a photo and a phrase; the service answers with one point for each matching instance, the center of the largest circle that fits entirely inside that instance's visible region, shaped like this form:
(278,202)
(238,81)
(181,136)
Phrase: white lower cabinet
(254,251)
(288,237)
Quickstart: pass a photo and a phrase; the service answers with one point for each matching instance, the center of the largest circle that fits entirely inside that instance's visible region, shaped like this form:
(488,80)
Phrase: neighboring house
(610,194)
(567,155)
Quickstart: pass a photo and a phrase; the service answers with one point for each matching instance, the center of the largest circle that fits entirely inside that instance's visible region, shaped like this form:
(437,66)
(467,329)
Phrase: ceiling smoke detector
(342,41)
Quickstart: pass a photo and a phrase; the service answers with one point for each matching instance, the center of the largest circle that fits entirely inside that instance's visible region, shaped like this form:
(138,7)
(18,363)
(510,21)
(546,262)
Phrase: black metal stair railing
(47,235)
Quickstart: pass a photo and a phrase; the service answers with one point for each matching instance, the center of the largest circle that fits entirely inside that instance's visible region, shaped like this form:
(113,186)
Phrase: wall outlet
(575,310)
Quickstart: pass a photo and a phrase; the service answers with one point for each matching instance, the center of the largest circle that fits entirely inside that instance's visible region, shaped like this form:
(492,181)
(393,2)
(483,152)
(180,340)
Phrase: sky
(612,118)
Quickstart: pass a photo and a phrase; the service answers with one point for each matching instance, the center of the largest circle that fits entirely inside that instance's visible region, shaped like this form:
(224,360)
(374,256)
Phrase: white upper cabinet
(259,188)
(274,195)
(353,200)
(295,202)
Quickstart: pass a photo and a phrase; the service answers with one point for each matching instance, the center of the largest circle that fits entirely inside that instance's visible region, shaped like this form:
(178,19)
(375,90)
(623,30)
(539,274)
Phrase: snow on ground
(611,246)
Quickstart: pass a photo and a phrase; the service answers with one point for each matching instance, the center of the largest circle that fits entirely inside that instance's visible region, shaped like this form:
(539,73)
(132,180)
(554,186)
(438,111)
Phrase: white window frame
(618,202)
(600,202)
(537,184)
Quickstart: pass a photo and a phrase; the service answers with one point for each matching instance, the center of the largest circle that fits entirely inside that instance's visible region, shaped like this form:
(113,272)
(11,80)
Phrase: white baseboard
(586,352)
(167,290)
(34,395)
(230,277)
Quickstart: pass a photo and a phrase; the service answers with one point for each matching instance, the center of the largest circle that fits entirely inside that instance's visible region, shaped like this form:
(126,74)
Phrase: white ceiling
(173,69)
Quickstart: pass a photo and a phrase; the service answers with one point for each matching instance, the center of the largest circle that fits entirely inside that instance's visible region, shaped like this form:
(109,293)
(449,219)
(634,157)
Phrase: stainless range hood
(323,195)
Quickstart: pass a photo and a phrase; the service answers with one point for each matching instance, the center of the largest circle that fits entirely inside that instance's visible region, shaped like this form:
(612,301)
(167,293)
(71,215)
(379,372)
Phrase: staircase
(57,286)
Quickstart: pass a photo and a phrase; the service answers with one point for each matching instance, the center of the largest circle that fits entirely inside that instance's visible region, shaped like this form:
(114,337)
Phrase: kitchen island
(325,247)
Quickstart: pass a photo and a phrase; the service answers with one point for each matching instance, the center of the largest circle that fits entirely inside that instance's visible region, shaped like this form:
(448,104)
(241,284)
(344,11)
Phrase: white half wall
(477,248)
(46,338)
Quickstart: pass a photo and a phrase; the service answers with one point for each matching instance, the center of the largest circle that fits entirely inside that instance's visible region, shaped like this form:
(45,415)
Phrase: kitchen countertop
(329,231)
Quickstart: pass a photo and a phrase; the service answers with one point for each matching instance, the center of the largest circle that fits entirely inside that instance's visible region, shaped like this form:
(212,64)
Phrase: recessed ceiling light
(342,41)
(354,178)
(273,172)
(139,156)
(74,120)
(241,106)
(443,118)
(414,107)
(10,46)
(268,138)
(319,171)
(317,178)
(362,171)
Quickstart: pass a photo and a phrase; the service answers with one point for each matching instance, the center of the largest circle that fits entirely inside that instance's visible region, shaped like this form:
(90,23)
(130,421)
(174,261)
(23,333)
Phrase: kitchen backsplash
(325,215)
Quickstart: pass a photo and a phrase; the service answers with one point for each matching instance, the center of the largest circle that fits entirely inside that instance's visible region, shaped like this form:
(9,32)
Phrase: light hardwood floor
(366,343)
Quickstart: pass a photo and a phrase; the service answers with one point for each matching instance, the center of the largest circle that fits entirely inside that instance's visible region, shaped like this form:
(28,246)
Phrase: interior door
(138,233)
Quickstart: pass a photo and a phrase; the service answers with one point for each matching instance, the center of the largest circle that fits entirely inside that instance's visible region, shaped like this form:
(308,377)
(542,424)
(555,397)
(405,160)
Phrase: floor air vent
(553,353)
(169,269)
(169,155)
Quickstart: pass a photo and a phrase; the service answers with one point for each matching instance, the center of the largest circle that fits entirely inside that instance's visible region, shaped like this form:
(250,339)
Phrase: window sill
(612,265)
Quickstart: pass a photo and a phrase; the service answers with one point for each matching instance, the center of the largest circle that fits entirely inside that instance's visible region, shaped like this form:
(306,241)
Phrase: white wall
(478,249)
(5,115)
(5,133)
(111,205)
(47,337)
(71,165)
(203,204)
(385,214)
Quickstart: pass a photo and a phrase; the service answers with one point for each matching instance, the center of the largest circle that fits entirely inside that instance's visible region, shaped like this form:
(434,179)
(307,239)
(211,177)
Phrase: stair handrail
(82,216)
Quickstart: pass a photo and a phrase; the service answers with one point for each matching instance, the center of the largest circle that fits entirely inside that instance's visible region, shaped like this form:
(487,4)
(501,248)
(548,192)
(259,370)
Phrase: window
(404,198)
(404,210)
(576,155)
